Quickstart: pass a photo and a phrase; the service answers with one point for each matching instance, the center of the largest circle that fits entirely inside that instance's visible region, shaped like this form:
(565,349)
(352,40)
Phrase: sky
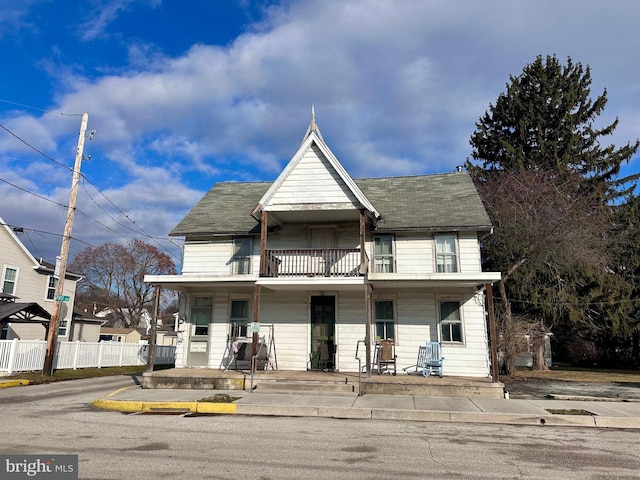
(185,94)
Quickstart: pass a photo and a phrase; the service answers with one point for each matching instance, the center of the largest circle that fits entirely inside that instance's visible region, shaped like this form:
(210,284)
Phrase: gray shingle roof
(432,202)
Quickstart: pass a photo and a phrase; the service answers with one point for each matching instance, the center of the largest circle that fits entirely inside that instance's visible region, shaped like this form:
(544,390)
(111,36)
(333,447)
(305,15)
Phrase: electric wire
(140,230)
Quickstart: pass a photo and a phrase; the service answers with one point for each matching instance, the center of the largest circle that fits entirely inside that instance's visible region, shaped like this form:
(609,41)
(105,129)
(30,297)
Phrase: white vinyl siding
(211,257)
(414,253)
(469,252)
(313,181)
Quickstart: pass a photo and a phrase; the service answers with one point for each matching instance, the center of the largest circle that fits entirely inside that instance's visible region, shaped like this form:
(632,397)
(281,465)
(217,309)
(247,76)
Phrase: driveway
(534,388)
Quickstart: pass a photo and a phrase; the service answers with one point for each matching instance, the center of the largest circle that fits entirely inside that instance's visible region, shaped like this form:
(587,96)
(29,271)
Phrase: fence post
(100,354)
(12,355)
(121,353)
(75,355)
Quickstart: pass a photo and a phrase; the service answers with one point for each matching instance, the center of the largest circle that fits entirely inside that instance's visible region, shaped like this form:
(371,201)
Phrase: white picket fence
(28,355)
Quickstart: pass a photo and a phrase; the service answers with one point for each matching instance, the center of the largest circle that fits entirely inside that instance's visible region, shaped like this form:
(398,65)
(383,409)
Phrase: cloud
(397,88)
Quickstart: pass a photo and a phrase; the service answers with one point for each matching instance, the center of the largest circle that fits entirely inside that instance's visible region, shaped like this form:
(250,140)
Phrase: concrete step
(305,388)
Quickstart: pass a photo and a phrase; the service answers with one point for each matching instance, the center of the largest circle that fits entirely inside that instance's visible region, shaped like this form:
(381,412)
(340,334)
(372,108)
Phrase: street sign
(63,298)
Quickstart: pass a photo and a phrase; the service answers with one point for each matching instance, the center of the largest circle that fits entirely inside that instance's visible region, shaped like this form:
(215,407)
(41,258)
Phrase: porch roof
(378,280)
(440,202)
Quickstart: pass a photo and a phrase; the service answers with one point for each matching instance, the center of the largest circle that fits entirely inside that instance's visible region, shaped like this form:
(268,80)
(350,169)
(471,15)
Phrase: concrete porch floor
(318,382)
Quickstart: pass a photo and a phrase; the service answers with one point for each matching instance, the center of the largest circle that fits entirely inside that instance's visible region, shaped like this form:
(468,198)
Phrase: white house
(320,259)
(25,281)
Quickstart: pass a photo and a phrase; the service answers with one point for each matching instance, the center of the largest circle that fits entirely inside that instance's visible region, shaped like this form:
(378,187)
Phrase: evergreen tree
(549,187)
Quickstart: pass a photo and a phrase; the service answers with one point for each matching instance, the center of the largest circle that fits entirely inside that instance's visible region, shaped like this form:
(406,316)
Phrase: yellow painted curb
(13,383)
(221,408)
(126,406)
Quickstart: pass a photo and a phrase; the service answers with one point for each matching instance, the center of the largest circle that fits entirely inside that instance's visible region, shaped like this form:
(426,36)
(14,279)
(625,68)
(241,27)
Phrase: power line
(27,229)
(140,230)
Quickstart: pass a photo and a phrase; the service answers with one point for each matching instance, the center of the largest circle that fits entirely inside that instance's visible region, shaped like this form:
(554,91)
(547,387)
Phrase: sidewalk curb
(373,413)
(13,383)
(127,406)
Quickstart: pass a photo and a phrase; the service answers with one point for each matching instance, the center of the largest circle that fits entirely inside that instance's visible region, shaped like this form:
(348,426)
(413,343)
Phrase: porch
(319,383)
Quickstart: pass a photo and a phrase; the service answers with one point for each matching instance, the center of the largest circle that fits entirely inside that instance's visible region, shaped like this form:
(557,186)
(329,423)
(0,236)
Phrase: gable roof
(446,201)
(438,202)
(313,138)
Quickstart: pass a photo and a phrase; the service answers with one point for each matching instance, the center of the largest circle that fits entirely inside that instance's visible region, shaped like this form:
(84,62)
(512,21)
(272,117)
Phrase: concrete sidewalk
(557,412)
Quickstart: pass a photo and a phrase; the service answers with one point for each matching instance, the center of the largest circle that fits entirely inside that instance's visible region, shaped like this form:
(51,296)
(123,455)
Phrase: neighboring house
(143,321)
(126,335)
(31,281)
(316,256)
(85,327)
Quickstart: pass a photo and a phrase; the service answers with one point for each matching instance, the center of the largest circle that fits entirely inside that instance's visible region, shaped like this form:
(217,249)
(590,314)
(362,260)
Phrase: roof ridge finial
(313,127)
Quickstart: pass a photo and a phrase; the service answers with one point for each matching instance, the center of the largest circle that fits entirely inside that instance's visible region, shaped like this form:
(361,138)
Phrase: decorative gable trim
(333,161)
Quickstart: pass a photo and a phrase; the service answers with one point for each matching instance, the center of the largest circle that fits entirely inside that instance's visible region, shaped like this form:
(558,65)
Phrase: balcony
(311,262)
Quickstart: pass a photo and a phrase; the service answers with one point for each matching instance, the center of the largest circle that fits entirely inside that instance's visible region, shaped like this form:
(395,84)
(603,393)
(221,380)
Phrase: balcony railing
(311,262)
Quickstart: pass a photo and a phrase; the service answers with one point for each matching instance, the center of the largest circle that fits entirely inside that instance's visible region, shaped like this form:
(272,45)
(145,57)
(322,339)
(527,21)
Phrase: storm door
(323,325)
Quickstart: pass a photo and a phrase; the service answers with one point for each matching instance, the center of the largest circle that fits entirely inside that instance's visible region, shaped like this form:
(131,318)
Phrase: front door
(323,323)
(201,311)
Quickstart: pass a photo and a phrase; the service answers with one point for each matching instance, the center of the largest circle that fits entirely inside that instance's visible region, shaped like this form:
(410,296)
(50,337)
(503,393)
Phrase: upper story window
(383,254)
(201,315)
(446,253)
(9,280)
(239,317)
(384,320)
(241,256)
(450,321)
(52,282)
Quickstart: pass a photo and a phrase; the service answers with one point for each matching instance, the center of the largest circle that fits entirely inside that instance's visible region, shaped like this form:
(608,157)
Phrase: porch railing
(311,262)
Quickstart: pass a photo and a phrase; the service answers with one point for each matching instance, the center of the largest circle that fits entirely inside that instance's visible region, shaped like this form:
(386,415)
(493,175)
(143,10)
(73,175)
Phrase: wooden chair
(386,356)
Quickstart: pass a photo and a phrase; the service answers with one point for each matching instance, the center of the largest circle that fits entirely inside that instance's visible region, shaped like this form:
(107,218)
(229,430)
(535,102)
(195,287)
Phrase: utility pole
(151,357)
(52,337)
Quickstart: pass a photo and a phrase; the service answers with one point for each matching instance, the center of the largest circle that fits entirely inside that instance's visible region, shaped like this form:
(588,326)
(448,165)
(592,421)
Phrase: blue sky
(184,94)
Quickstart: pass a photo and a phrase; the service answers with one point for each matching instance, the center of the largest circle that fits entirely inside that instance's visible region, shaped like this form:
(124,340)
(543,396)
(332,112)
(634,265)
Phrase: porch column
(367,333)
(257,290)
(493,341)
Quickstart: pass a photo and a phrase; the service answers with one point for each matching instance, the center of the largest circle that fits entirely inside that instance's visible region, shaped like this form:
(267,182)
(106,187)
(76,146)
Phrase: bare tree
(114,276)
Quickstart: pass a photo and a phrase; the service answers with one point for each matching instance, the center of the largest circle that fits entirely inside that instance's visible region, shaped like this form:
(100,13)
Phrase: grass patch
(70,374)
(577,374)
(219,398)
(569,411)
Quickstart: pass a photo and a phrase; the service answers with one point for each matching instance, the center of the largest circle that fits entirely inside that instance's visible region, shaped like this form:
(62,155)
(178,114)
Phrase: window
(383,254)
(201,315)
(385,320)
(446,257)
(9,279)
(51,287)
(450,321)
(62,328)
(241,256)
(239,317)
